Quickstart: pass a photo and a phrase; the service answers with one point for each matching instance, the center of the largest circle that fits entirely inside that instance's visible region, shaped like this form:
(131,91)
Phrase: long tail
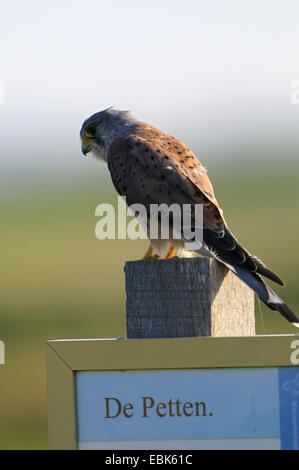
(265,293)
(225,248)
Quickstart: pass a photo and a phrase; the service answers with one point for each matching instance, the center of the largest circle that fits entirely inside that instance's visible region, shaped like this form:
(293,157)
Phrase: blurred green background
(60,281)
(217,75)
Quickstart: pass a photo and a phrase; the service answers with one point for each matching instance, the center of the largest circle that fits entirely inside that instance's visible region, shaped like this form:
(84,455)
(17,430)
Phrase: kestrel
(150,167)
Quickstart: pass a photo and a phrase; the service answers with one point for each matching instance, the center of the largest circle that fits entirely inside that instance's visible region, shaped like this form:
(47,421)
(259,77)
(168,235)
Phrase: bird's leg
(170,253)
(149,254)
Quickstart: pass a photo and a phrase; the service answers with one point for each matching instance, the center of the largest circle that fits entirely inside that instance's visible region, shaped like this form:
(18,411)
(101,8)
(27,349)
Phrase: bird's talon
(150,255)
(170,253)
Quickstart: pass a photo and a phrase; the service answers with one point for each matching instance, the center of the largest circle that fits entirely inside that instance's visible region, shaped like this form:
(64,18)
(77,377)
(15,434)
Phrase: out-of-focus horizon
(215,74)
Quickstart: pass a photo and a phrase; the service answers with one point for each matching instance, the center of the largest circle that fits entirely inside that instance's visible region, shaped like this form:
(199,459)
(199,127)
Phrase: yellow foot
(149,255)
(170,253)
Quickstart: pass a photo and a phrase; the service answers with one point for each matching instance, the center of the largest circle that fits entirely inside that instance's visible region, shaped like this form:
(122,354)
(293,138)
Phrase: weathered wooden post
(186,297)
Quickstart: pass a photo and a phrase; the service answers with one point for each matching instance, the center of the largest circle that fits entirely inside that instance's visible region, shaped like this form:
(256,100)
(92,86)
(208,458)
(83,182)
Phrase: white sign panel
(253,408)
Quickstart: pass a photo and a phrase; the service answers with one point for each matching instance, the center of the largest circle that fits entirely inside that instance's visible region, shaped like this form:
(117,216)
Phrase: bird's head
(102,128)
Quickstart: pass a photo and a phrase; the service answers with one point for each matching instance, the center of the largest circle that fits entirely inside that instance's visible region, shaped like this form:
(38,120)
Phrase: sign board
(187,393)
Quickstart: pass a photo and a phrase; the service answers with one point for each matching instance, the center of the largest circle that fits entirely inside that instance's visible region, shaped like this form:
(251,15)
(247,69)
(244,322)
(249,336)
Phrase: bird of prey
(148,167)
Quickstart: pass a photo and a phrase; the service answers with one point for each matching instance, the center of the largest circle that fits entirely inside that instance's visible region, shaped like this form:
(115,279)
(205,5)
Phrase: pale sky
(214,73)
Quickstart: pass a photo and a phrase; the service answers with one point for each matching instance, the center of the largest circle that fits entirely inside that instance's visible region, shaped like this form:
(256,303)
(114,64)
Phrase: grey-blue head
(102,128)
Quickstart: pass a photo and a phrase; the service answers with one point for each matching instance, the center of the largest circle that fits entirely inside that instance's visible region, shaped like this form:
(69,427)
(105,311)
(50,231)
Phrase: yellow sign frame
(66,357)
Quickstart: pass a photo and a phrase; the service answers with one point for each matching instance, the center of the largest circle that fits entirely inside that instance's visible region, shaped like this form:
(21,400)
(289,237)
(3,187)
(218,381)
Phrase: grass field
(59,281)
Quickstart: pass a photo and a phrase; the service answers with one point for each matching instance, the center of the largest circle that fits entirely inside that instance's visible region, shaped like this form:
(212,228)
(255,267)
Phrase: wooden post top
(186,297)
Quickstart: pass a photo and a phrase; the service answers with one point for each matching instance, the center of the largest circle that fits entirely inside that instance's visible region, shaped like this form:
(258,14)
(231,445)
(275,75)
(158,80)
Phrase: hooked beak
(86,147)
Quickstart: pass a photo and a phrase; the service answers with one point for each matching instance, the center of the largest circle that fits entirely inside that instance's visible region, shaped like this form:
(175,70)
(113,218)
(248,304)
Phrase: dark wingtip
(270,275)
(277,279)
(262,269)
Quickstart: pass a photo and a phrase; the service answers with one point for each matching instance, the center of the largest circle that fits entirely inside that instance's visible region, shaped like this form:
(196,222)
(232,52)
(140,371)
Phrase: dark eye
(91,131)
